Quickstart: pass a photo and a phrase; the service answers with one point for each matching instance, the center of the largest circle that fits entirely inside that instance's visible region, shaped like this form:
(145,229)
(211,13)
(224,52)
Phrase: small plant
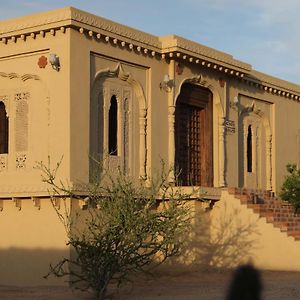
(290,190)
(127,227)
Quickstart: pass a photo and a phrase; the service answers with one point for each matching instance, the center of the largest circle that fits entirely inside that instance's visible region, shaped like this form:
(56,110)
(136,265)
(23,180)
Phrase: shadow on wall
(23,267)
(222,242)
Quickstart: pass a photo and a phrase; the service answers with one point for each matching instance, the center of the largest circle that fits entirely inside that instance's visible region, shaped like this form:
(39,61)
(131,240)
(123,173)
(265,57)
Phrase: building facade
(79,86)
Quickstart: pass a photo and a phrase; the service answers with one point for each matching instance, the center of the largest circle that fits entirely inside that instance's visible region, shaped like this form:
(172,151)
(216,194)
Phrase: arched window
(249,149)
(113,127)
(3,129)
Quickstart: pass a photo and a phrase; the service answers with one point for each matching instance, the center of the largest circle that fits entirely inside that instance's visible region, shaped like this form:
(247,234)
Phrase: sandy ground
(188,286)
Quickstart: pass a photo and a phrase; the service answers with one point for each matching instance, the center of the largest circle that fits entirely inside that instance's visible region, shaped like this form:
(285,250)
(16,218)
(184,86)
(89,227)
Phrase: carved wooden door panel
(193,134)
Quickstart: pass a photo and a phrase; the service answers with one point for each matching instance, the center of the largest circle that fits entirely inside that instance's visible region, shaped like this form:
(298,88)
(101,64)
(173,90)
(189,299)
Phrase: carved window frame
(123,94)
(4,156)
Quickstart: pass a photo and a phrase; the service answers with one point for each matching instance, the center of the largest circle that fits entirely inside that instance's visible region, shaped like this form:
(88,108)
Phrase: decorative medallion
(179,69)
(21,161)
(42,62)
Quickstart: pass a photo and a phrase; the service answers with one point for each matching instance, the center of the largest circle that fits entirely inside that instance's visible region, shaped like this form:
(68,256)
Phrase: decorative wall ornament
(179,69)
(197,80)
(22,96)
(230,126)
(115,91)
(3,162)
(42,62)
(21,121)
(167,84)
(126,129)
(252,108)
(21,161)
(17,76)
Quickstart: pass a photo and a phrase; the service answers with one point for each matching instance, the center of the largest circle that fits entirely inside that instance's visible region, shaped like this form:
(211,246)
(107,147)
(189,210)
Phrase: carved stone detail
(3,162)
(115,91)
(252,108)
(17,76)
(126,122)
(21,161)
(119,73)
(222,132)
(21,121)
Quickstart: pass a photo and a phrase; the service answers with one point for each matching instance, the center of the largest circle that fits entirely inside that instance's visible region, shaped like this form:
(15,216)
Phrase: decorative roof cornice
(273,85)
(177,43)
(71,16)
(168,47)
(114,28)
(34,22)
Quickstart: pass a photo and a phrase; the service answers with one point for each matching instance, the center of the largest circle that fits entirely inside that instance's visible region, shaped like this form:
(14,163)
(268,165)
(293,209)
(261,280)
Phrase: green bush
(130,227)
(290,190)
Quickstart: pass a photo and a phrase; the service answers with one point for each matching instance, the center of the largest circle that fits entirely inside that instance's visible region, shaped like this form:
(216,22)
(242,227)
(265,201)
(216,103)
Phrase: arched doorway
(194,136)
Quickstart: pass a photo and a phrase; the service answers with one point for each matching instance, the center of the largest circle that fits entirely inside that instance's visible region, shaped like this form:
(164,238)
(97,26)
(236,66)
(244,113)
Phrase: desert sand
(210,285)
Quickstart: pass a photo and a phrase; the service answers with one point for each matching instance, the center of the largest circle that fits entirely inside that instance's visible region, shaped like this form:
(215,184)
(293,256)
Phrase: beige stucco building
(76,85)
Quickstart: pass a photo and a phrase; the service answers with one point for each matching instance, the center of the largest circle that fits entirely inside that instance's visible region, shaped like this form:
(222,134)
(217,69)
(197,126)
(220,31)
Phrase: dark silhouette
(246,284)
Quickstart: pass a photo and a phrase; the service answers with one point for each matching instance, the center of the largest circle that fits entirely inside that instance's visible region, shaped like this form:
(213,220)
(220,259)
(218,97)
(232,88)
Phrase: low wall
(32,238)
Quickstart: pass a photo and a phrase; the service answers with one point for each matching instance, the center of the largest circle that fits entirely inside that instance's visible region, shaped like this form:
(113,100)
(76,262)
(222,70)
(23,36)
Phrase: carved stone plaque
(230,126)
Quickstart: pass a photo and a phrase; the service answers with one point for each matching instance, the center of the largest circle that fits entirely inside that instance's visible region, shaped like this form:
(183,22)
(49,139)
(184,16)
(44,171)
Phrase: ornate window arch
(109,82)
(260,176)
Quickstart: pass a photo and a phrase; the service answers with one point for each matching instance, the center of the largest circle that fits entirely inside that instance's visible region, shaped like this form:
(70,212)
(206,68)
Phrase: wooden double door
(194,136)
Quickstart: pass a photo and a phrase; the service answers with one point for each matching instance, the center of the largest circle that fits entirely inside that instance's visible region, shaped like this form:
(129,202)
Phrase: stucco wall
(47,113)
(32,238)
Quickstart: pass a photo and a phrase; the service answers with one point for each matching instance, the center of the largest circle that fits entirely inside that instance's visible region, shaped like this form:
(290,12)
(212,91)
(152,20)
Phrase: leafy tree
(290,189)
(126,227)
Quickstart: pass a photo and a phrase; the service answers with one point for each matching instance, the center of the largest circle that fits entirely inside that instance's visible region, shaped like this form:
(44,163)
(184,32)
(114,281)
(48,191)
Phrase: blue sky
(264,33)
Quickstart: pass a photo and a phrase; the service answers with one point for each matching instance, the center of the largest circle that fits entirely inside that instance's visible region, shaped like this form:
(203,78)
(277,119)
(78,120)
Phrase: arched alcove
(255,142)
(100,107)
(217,127)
